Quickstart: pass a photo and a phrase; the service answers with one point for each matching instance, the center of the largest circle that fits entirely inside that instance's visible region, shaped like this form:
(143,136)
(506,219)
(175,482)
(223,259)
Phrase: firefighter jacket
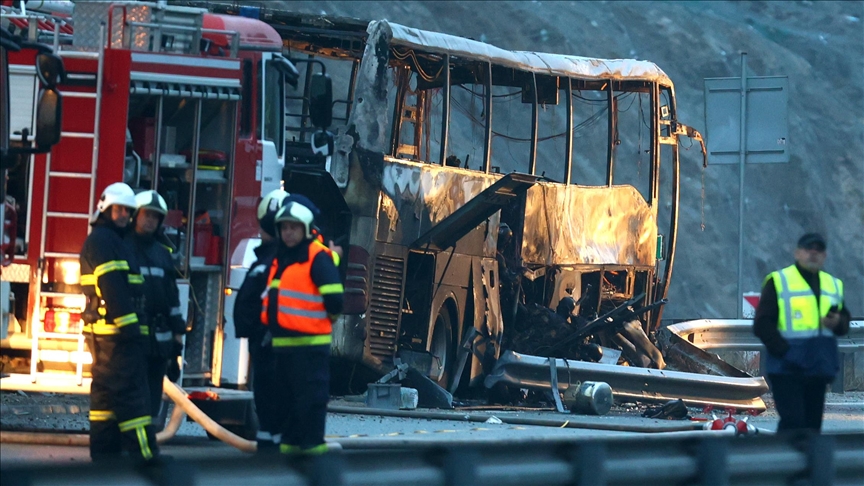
(304,296)
(247,304)
(161,296)
(788,321)
(111,281)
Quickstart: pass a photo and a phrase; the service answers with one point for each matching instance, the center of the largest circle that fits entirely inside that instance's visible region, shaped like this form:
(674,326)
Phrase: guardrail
(674,459)
(737,335)
(730,389)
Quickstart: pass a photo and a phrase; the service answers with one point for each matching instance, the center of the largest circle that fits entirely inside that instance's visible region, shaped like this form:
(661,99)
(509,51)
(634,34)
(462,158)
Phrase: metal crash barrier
(661,460)
(735,389)
(736,335)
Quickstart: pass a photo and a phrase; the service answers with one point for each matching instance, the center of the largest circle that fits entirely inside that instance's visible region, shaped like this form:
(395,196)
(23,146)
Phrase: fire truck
(161,97)
(48,109)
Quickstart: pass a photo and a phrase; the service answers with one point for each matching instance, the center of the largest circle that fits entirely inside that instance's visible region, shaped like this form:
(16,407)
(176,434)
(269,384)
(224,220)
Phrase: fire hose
(182,407)
(183,403)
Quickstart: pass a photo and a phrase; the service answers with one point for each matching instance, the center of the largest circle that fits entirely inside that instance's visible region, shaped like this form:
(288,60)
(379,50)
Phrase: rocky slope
(818,45)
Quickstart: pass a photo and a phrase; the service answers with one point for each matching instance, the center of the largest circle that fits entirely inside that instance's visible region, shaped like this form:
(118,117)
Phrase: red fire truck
(168,98)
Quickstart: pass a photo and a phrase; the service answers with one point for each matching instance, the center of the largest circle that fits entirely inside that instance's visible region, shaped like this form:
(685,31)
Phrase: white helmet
(151,200)
(294,211)
(119,194)
(268,208)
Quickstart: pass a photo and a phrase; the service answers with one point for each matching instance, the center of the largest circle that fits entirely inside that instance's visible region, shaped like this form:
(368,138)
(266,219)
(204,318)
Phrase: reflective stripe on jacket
(301,306)
(799,312)
(111,281)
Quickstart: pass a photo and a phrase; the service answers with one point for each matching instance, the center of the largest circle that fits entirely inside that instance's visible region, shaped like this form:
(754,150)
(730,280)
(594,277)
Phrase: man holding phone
(800,313)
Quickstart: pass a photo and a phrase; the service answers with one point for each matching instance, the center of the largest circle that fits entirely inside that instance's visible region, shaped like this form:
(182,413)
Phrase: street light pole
(742,160)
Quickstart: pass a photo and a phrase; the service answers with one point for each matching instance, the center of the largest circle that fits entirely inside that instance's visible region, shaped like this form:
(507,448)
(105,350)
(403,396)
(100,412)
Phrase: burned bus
(477,190)
(507,218)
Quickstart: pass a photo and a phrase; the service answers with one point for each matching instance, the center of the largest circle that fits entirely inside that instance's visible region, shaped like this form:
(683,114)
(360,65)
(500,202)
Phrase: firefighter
(120,417)
(247,324)
(161,295)
(304,296)
(800,311)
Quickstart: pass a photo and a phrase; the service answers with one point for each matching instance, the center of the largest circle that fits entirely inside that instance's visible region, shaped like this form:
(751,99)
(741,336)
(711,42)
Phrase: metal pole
(535,115)
(611,126)
(742,160)
(445,110)
(487,140)
(568,142)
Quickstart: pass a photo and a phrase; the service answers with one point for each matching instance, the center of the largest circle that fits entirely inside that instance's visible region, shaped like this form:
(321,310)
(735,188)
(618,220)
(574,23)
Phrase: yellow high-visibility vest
(799,312)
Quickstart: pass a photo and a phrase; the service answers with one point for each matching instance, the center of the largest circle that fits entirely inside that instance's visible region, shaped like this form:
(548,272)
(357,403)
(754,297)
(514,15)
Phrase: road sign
(766,124)
(751,301)
(746,122)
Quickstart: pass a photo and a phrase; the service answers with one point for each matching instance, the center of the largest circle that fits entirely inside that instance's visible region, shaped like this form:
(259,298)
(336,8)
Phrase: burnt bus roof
(536,62)
(349,34)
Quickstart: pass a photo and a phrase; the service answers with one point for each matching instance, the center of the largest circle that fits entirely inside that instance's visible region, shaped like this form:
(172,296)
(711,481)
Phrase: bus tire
(441,347)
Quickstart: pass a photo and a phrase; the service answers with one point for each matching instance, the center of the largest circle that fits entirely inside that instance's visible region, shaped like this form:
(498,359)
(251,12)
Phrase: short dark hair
(812,241)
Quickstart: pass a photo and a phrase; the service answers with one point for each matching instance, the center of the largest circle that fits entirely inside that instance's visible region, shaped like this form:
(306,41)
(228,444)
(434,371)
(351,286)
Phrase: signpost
(746,122)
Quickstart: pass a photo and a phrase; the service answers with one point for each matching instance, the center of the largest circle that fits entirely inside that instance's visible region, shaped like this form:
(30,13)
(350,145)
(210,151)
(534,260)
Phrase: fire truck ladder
(38,332)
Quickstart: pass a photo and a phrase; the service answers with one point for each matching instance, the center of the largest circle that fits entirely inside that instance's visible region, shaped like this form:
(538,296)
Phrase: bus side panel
(416,197)
(591,225)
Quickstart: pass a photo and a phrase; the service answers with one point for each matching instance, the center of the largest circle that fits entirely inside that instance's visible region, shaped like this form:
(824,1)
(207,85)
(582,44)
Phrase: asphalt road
(48,412)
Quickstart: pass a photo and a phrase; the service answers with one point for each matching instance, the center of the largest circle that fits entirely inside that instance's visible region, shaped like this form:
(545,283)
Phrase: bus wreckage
(510,217)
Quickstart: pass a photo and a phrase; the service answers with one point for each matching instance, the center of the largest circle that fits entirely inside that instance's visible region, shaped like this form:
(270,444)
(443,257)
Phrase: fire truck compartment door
(446,233)
(166,88)
(23,87)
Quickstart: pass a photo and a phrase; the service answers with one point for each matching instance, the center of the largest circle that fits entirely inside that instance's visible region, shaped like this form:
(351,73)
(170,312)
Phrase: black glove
(177,351)
(173,371)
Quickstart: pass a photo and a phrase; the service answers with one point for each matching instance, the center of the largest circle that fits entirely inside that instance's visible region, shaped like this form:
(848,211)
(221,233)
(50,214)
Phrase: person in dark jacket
(120,417)
(304,296)
(800,313)
(161,295)
(247,324)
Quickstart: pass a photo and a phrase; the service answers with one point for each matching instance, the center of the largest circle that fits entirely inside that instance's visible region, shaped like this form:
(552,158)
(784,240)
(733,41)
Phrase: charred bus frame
(423,282)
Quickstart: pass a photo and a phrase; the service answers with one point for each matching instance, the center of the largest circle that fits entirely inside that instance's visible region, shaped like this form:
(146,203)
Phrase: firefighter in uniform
(247,324)
(110,279)
(304,296)
(161,295)
(800,311)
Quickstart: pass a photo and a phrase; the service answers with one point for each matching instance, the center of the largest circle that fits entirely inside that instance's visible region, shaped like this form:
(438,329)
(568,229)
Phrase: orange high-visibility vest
(301,306)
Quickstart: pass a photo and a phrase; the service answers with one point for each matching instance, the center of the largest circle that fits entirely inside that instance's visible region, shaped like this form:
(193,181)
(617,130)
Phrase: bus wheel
(441,348)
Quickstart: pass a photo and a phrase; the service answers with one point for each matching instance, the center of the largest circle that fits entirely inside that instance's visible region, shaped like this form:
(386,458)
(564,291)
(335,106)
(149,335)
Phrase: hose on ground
(44,439)
(182,406)
(180,399)
(173,425)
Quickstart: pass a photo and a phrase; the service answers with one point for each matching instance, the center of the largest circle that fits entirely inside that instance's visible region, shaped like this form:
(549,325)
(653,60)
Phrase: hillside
(818,45)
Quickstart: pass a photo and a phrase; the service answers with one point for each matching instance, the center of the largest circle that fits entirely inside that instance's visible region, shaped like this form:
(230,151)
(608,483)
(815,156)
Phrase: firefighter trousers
(303,390)
(264,391)
(156,368)
(119,399)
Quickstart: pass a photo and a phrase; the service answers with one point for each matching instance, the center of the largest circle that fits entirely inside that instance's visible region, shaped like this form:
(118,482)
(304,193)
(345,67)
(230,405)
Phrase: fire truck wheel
(441,348)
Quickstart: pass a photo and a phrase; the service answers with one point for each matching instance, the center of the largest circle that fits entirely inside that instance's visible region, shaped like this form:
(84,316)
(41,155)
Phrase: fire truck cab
(168,98)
